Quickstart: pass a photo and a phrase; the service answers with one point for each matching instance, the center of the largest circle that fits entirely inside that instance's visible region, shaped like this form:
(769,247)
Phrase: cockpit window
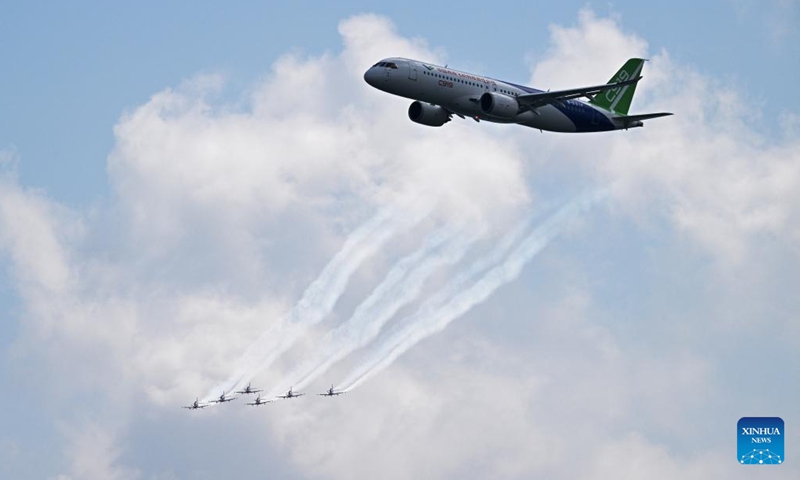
(391,65)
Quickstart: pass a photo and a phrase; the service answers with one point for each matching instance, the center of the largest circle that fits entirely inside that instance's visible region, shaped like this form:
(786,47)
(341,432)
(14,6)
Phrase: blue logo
(760,440)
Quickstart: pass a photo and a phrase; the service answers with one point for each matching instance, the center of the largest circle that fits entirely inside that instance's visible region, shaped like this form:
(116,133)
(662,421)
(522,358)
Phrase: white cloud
(722,183)
(111,304)
(717,178)
(306,141)
(33,238)
(588,53)
(94,455)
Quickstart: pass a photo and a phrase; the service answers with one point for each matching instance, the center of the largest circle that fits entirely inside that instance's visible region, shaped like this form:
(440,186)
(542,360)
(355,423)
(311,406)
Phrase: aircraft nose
(371,76)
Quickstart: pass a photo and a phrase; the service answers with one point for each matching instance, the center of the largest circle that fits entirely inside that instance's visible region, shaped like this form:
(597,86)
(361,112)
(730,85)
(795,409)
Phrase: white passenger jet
(441,92)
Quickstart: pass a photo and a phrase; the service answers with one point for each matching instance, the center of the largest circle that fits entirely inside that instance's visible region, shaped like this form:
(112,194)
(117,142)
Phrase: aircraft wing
(535,100)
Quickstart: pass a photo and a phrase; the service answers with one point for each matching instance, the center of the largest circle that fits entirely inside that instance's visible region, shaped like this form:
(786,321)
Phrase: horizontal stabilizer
(631,121)
(644,116)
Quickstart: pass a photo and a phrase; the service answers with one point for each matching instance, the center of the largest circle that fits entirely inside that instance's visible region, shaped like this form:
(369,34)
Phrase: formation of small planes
(225,398)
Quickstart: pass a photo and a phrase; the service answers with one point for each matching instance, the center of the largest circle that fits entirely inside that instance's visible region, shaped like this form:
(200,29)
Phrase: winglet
(618,100)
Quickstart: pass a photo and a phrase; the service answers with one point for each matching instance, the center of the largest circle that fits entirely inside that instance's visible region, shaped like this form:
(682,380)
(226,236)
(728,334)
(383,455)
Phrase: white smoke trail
(320,297)
(402,284)
(453,300)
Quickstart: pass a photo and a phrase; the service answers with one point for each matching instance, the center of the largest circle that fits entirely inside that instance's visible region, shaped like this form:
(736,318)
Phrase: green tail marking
(619,99)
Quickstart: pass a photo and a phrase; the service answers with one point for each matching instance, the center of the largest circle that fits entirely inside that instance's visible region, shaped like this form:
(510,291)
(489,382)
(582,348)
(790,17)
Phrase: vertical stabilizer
(618,100)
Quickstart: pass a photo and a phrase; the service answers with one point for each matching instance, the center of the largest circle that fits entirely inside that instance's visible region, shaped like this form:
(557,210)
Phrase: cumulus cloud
(138,302)
(584,52)
(94,454)
(723,183)
(718,178)
(223,212)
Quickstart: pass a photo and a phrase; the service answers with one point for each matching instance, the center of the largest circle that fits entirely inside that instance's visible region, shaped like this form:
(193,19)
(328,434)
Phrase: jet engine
(427,114)
(499,105)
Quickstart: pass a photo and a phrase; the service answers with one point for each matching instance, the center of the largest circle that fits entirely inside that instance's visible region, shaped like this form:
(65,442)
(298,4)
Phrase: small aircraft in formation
(248,390)
(291,394)
(260,402)
(330,393)
(195,405)
(225,398)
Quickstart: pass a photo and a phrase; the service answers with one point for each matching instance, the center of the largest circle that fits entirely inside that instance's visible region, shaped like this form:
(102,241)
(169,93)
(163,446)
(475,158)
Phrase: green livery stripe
(618,100)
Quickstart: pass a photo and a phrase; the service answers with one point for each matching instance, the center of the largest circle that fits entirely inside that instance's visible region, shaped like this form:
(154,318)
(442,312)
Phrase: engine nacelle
(499,105)
(427,114)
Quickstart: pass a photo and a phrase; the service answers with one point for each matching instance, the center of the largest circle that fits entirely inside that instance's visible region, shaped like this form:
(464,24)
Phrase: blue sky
(173,176)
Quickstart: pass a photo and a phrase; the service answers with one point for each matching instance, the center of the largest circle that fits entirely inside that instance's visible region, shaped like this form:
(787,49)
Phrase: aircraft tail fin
(618,100)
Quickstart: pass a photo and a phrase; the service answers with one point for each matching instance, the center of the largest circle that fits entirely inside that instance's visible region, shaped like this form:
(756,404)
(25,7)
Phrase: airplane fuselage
(461,93)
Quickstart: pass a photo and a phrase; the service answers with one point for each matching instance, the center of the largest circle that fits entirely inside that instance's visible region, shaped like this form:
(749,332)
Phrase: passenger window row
(466,82)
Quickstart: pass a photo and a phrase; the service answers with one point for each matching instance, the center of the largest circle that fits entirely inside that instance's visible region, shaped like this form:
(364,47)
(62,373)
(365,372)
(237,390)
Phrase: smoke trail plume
(320,297)
(402,284)
(454,300)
